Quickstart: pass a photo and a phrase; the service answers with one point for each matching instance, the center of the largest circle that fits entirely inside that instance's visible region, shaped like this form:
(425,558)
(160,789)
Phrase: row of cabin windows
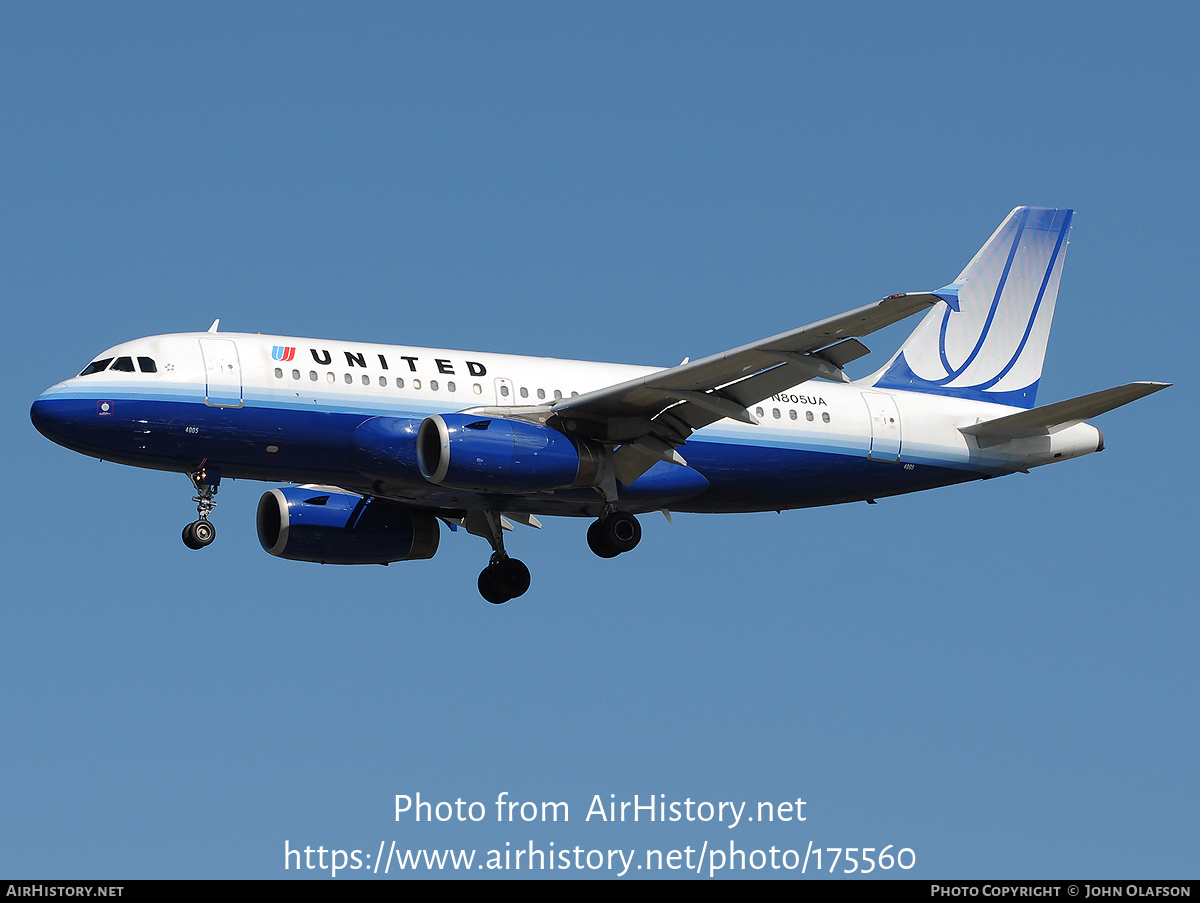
(120,364)
(434,386)
(383,381)
(808,415)
(541,393)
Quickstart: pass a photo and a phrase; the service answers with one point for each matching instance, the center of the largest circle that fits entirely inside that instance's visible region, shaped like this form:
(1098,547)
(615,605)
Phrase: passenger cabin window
(96,366)
(124,364)
(147,365)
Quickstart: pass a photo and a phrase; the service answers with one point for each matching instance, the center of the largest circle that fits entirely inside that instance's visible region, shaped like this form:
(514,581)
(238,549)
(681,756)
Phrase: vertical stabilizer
(989,339)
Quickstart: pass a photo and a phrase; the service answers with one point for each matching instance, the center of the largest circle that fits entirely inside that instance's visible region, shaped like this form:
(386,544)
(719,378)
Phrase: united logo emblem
(281,353)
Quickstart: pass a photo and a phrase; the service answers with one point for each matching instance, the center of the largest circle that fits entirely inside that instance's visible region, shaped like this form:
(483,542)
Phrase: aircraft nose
(50,419)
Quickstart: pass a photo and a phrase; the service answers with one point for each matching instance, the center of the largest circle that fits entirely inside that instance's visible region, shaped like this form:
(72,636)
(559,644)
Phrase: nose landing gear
(201,533)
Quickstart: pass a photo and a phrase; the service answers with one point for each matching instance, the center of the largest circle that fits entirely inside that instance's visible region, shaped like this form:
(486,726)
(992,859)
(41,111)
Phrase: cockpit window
(96,366)
(147,365)
(124,364)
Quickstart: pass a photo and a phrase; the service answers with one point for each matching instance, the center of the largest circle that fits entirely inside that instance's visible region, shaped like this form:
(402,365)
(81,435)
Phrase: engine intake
(495,454)
(333,527)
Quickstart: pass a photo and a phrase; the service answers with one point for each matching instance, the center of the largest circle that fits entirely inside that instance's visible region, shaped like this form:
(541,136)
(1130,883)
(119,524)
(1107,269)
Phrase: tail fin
(989,340)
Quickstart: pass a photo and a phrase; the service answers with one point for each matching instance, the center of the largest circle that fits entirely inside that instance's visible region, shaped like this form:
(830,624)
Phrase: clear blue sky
(1001,676)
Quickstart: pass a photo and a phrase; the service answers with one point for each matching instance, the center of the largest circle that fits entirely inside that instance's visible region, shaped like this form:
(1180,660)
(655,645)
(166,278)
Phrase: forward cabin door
(222,373)
(885,426)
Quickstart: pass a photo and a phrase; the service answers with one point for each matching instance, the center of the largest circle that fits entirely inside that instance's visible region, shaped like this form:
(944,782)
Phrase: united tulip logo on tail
(280,353)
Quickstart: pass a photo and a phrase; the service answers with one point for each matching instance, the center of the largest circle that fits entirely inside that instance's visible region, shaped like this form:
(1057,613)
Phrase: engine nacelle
(494,454)
(333,527)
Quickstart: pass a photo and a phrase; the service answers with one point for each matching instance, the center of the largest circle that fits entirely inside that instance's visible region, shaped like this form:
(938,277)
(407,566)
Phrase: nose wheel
(201,532)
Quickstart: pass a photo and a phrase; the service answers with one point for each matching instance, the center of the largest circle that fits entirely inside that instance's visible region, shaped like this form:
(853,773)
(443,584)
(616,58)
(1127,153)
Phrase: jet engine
(495,454)
(333,527)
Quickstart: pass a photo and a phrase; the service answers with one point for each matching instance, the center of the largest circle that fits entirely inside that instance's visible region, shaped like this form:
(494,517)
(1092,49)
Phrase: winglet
(216,322)
(949,294)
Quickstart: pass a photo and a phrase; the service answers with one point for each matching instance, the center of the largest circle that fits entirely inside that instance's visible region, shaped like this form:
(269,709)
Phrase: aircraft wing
(651,415)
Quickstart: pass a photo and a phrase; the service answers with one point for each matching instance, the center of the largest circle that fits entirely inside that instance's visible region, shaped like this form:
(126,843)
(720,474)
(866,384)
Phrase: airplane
(383,443)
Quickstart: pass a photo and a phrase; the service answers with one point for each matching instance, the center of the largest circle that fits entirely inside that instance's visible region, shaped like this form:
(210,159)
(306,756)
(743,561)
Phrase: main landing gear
(507,578)
(504,578)
(614,533)
(201,532)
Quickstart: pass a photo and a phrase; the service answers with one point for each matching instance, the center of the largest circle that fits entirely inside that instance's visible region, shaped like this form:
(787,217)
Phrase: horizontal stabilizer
(1051,418)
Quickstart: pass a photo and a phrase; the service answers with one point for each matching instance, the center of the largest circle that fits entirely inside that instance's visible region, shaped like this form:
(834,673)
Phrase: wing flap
(732,380)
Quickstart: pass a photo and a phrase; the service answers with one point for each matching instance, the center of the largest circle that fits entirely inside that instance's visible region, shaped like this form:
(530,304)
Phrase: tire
(203,533)
(596,542)
(620,532)
(512,575)
(189,537)
(488,589)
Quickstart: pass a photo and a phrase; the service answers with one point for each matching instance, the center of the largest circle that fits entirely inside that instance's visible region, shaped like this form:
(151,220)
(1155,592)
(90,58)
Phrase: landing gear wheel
(616,533)
(596,542)
(503,579)
(199,534)
(189,538)
(488,589)
(204,532)
(511,574)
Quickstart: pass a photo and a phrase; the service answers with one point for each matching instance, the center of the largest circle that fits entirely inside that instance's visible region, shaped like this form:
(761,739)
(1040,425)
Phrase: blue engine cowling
(494,454)
(333,527)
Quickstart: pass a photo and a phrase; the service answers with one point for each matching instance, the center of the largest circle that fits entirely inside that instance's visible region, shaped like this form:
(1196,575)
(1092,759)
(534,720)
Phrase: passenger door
(222,373)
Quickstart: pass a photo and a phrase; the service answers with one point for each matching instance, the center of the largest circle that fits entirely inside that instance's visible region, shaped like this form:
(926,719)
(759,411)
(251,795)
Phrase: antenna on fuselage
(213,328)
